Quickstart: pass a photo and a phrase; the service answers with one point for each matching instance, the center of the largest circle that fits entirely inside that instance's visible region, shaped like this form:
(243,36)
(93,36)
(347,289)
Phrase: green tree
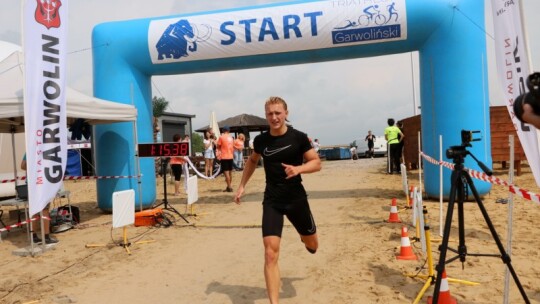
(197,142)
(159,105)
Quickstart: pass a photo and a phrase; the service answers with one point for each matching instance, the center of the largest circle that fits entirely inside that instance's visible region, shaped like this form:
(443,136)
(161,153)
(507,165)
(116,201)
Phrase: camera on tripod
(461,151)
(531,98)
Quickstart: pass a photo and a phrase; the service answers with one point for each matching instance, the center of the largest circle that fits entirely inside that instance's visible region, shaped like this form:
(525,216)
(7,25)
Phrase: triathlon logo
(47,13)
(375,22)
(372,17)
(180,38)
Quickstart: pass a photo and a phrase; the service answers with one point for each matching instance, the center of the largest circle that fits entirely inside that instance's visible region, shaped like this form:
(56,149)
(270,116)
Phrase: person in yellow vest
(394,136)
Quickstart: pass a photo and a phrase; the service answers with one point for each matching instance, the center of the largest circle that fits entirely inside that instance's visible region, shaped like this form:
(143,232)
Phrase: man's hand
(290,170)
(239,194)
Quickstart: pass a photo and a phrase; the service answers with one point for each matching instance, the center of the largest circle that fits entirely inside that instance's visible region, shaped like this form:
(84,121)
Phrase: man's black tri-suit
(284,196)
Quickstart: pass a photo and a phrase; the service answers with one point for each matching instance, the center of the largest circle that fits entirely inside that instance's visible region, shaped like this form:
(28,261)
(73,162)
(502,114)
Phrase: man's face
(276,115)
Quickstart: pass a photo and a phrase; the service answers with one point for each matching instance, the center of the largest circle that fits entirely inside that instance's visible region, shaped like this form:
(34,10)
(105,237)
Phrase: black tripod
(460,180)
(165,203)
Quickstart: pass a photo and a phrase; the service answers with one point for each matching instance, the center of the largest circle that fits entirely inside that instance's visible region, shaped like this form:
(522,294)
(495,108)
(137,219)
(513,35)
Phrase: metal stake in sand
(123,215)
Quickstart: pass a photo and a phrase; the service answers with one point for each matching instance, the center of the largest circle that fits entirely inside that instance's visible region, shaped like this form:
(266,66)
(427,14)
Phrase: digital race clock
(164,149)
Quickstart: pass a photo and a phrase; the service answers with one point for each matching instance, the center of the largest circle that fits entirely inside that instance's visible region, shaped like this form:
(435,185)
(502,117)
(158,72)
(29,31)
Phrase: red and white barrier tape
(12,180)
(8,228)
(531,196)
(100,177)
(22,178)
(525,194)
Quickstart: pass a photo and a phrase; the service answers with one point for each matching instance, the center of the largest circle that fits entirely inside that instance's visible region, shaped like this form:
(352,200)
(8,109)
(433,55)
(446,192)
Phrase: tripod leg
(183,217)
(504,256)
(462,249)
(456,181)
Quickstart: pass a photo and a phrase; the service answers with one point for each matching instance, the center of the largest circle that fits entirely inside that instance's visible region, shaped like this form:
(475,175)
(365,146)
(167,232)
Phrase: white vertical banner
(44,47)
(513,69)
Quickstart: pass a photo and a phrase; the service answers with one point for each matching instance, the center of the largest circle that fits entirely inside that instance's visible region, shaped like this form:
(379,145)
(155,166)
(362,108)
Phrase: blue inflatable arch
(445,33)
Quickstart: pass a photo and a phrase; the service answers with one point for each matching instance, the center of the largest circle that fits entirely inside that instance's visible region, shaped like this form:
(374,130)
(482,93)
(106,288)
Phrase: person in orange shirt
(176,166)
(238,162)
(225,145)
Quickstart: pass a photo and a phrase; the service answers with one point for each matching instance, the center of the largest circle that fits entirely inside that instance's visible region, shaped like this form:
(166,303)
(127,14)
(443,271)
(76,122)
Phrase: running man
(287,153)
(392,12)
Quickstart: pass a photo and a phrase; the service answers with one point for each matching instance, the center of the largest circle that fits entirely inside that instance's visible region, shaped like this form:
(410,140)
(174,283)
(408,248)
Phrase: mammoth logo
(174,41)
(47,13)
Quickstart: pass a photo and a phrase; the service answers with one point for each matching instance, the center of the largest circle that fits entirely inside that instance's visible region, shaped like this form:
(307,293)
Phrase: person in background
(392,135)
(316,145)
(46,222)
(287,154)
(399,124)
(239,152)
(354,156)
(370,138)
(225,145)
(527,105)
(187,139)
(176,166)
(209,156)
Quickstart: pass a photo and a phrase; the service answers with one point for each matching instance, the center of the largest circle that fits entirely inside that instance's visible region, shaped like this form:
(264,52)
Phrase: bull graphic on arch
(176,41)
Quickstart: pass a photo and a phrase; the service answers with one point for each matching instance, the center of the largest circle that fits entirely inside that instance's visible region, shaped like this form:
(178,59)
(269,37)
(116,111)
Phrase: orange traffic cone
(406,252)
(394,213)
(411,196)
(444,292)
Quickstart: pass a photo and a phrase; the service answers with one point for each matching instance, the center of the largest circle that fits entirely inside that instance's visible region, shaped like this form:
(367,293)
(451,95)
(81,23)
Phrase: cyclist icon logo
(372,16)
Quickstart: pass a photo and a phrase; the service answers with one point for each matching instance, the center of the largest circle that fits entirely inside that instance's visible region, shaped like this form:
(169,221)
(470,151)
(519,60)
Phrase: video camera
(458,153)
(461,151)
(532,97)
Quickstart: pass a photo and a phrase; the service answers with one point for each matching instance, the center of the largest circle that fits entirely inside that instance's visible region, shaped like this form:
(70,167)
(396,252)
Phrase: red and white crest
(47,13)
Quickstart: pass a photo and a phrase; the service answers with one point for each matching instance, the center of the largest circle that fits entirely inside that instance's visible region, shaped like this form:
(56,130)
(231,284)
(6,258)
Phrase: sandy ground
(218,258)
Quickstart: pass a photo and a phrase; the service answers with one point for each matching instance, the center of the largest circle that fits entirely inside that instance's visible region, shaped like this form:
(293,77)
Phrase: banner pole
(440,186)
(137,158)
(510,219)
(419,163)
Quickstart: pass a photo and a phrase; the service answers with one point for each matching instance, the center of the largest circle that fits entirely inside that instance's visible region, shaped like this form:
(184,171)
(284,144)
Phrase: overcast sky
(332,101)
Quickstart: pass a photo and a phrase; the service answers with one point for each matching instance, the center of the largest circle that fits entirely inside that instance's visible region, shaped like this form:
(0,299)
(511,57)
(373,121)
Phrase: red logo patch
(47,13)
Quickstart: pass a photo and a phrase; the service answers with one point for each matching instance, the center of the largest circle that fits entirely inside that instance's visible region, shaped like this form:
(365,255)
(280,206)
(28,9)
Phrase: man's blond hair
(275,100)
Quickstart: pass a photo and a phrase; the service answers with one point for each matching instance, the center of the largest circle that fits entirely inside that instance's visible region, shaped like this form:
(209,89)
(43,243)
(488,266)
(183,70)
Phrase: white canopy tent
(78,105)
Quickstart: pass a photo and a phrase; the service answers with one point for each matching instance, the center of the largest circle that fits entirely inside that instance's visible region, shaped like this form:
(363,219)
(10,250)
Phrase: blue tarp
(73,166)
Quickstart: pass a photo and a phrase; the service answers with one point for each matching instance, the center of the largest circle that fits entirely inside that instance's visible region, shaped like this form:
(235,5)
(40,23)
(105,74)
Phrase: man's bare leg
(271,267)
(228,179)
